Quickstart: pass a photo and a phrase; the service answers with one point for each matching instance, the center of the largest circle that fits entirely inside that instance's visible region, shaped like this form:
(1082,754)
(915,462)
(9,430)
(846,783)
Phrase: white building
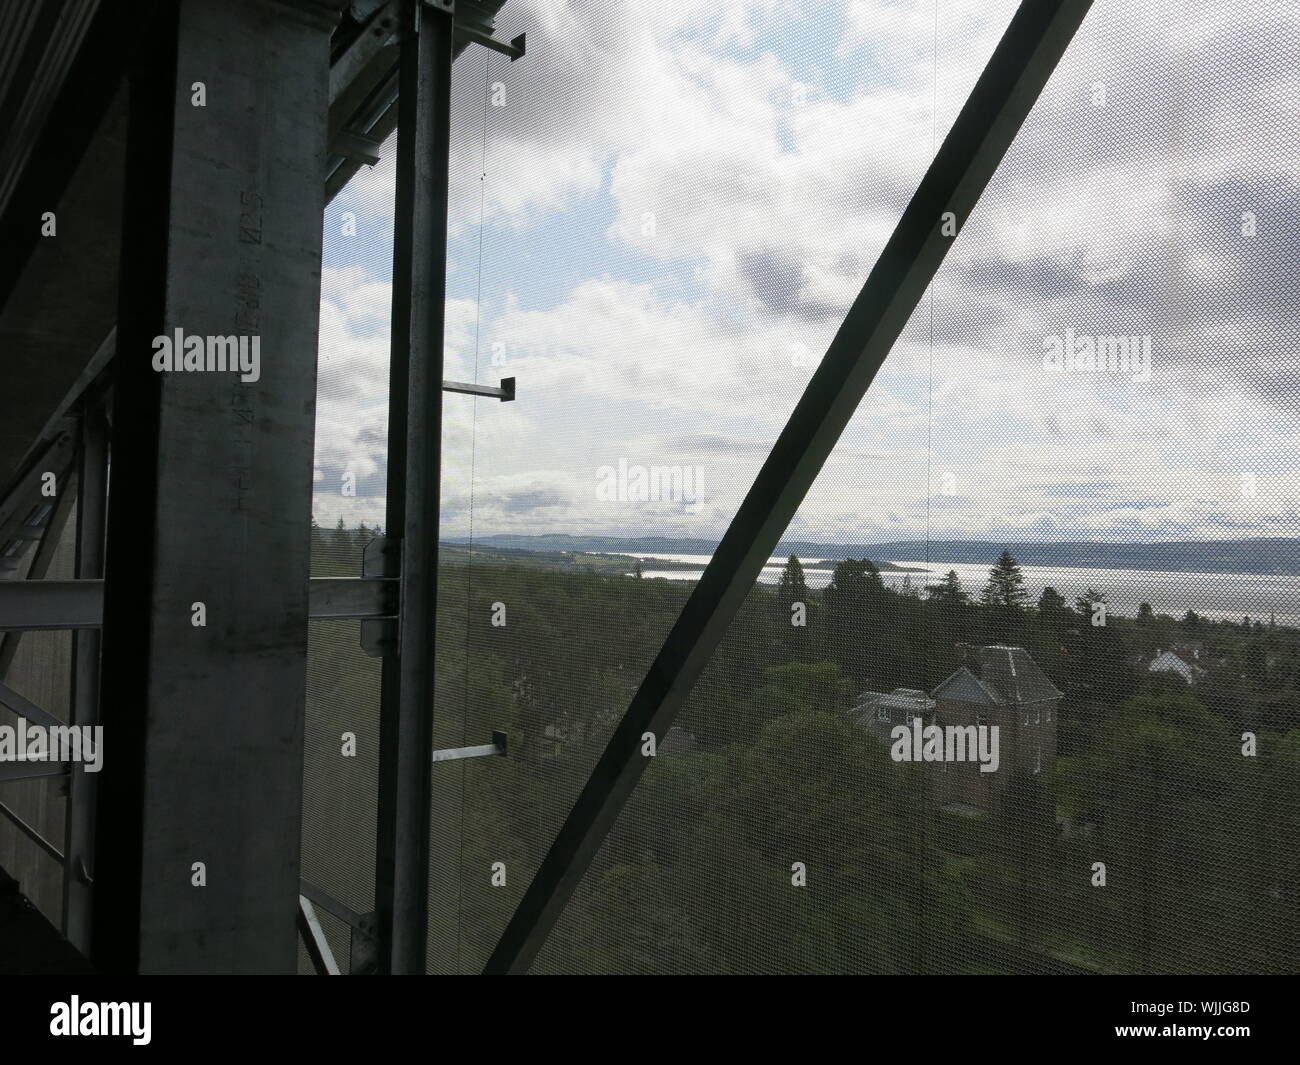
(1179,662)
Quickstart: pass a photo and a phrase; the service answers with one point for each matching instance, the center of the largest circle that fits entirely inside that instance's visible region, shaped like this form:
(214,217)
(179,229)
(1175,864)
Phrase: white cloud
(768,212)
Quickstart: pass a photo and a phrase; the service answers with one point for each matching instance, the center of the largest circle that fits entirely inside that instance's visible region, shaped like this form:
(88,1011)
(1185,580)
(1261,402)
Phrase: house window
(1038,759)
(1038,715)
(1026,717)
(882,714)
(1049,715)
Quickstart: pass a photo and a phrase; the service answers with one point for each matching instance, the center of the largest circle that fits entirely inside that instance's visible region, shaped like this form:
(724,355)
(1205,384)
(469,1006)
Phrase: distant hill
(1279,557)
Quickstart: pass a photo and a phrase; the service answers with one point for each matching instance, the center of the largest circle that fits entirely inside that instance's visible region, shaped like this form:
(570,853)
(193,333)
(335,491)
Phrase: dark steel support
(79,604)
(24,708)
(50,532)
(58,425)
(1015,75)
(363,95)
(25,511)
(414,459)
(31,833)
(79,820)
(356,146)
(76,114)
(200,798)
(348,67)
(10,771)
(32,606)
(349,598)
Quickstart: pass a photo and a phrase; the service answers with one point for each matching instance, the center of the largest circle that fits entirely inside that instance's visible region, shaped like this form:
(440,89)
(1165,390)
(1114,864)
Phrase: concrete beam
(199,812)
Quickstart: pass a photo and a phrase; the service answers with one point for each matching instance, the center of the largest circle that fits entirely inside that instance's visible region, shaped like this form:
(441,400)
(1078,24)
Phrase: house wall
(1019,745)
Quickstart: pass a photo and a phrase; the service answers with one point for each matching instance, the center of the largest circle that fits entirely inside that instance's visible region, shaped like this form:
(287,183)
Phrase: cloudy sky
(661,214)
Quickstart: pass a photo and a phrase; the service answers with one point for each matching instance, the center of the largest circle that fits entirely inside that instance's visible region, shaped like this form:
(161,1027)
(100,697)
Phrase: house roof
(1174,662)
(1013,671)
(898,699)
(909,700)
(965,687)
(1007,675)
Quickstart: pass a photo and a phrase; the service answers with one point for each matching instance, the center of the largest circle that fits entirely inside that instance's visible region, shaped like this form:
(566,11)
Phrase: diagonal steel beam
(1008,87)
(31,833)
(20,705)
(313,938)
(50,532)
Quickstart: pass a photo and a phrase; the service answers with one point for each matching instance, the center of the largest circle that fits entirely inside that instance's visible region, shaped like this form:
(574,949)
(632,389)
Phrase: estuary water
(1212,595)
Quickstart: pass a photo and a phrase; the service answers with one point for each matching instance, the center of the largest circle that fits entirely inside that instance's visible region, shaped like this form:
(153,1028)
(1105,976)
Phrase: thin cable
(929,446)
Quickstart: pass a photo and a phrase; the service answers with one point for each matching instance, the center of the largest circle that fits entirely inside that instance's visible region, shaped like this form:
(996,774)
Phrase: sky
(660,215)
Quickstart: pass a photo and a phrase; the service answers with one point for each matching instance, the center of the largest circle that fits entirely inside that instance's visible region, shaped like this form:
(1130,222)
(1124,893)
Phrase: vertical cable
(473,452)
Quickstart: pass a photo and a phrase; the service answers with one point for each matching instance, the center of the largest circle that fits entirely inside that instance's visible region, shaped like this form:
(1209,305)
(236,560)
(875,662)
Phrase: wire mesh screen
(671,207)
(340,786)
(1026,701)
(40,672)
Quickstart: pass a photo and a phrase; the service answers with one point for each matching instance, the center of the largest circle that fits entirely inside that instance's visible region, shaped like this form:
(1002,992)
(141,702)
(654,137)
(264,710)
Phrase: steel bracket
(498,746)
(516,49)
(505,393)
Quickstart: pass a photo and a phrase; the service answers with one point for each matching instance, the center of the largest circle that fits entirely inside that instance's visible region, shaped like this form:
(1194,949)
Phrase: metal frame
(362,72)
(1034,42)
(364,95)
(34,770)
(420,83)
(313,938)
(414,469)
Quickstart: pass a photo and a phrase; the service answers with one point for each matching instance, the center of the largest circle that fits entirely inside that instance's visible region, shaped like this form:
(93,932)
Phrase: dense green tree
(794,608)
(1003,599)
(858,623)
(769,769)
(1051,609)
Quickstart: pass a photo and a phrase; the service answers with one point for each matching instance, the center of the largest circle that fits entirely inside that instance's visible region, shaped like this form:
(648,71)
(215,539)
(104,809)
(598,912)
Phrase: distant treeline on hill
(1272,556)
